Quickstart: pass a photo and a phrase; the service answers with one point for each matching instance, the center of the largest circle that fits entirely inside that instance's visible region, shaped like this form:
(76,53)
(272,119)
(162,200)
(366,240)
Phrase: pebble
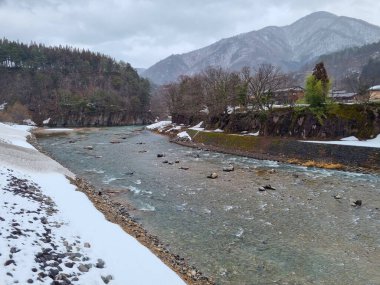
(100,263)
(338,196)
(355,203)
(83,268)
(228,168)
(107,279)
(212,175)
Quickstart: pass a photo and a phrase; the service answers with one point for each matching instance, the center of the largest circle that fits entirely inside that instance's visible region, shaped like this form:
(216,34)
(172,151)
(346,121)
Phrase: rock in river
(228,168)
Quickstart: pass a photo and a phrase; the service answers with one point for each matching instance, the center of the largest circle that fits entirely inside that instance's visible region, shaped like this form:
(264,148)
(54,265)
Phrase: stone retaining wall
(290,149)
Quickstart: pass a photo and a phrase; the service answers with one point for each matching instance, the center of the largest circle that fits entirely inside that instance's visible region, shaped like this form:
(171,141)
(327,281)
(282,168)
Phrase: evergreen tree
(317,86)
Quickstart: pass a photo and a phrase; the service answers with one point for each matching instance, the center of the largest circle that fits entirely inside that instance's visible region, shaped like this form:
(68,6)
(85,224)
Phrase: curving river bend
(296,234)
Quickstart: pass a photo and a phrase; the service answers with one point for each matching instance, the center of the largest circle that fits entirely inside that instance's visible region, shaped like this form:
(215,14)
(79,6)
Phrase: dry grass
(312,163)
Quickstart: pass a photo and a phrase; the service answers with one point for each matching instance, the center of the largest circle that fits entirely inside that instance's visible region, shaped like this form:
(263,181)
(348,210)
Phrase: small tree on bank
(317,86)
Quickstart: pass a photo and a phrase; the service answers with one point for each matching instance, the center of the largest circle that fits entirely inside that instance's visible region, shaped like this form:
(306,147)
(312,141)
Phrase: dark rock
(89,147)
(14,250)
(9,262)
(53,272)
(356,203)
(261,188)
(160,155)
(83,268)
(269,187)
(69,264)
(44,220)
(100,263)
(87,245)
(30,281)
(107,279)
(184,168)
(165,161)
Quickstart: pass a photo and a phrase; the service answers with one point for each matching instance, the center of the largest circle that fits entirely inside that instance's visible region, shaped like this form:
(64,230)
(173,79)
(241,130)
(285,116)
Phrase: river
(297,234)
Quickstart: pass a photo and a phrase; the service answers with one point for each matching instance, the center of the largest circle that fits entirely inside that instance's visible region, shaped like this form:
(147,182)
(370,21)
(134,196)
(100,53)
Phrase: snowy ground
(52,234)
(353,141)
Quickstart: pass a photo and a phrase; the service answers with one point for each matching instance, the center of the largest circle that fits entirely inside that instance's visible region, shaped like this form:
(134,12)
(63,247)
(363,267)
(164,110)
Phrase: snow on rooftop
(374,88)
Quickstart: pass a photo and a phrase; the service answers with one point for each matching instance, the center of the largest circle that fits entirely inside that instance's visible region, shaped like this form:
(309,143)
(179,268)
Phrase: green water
(297,234)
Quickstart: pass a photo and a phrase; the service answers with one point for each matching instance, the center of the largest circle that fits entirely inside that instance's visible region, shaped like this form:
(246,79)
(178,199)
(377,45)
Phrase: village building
(374,93)
(343,96)
(288,96)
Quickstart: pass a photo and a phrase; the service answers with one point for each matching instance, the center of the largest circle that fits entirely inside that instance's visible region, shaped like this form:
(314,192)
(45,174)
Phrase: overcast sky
(144,31)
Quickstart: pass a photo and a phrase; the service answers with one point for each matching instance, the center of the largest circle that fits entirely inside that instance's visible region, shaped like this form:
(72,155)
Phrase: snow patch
(29,122)
(352,141)
(2,106)
(47,121)
(15,135)
(158,125)
(218,131)
(125,258)
(184,135)
(254,134)
(197,127)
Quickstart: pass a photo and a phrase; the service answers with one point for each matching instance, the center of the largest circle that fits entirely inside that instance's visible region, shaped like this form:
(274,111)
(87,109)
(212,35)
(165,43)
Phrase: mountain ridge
(289,47)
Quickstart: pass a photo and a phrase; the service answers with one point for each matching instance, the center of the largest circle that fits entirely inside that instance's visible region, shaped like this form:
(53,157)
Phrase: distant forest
(360,63)
(51,81)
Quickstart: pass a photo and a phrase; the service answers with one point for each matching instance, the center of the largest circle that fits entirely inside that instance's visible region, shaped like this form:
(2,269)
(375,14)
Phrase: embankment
(361,159)
(334,121)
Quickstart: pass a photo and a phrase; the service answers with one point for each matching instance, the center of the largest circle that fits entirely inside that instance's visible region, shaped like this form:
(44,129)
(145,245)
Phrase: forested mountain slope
(71,86)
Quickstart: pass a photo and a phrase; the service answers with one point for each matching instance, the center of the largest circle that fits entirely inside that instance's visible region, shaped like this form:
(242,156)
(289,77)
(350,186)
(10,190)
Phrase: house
(374,93)
(342,96)
(288,96)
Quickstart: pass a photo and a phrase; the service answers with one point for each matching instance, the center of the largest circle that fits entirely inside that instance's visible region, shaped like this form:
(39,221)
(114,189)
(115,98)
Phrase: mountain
(289,47)
(349,61)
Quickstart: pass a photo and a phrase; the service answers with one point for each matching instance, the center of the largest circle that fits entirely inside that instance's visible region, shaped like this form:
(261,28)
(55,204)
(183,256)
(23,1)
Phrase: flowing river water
(296,234)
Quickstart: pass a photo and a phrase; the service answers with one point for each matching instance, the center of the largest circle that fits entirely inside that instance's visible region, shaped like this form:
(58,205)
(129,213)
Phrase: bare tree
(218,89)
(263,84)
(354,83)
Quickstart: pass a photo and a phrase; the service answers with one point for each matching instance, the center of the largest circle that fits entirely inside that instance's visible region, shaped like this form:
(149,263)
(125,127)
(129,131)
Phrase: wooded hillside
(55,81)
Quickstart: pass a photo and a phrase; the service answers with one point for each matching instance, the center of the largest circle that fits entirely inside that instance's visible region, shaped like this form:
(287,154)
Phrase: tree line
(216,91)
(53,80)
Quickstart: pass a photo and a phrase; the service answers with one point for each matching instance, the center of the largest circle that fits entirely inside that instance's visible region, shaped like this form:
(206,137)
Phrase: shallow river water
(296,234)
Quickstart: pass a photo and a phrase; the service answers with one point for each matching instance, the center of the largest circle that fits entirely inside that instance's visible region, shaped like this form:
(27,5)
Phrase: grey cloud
(145,31)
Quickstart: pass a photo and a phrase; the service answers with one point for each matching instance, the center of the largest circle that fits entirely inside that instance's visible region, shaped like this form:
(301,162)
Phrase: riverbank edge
(118,214)
(319,162)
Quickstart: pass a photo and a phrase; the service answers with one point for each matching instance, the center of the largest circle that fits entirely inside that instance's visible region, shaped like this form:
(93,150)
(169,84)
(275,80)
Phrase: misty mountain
(289,47)
(350,61)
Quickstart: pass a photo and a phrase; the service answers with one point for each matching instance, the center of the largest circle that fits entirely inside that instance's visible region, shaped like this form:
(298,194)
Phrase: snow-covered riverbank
(49,231)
